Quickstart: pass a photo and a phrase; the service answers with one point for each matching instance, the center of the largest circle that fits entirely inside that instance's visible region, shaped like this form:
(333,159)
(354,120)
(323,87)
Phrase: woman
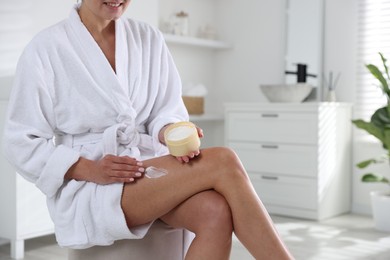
(92,98)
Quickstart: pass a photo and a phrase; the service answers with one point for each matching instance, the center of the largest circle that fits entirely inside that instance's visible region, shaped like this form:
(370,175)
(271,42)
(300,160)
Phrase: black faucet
(301,73)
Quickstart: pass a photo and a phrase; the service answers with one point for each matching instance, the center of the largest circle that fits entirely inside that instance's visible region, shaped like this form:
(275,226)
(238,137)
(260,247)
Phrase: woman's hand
(109,169)
(186,159)
(161,136)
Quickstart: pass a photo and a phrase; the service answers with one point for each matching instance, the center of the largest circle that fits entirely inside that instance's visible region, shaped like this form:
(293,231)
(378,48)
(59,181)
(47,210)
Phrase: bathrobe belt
(122,134)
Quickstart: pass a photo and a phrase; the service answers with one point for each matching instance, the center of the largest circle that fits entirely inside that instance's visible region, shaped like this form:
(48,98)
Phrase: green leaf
(381,159)
(379,125)
(384,64)
(381,118)
(366,163)
(386,143)
(370,128)
(378,75)
(370,177)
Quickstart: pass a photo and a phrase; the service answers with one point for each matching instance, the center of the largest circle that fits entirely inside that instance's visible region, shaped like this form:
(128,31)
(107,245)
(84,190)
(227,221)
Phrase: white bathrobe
(68,102)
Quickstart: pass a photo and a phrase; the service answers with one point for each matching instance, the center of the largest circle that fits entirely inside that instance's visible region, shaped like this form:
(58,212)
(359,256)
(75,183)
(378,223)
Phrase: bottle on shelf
(180,24)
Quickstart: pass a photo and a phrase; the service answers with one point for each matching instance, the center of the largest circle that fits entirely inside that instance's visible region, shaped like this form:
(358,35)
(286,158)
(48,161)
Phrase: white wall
(340,45)
(45,13)
(340,55)
(256,30)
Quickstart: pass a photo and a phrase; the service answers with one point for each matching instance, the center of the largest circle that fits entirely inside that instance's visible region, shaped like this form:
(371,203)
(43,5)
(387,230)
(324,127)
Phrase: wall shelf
(196,42)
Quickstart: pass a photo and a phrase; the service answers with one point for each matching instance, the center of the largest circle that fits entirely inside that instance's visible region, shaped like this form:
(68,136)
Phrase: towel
(65,89)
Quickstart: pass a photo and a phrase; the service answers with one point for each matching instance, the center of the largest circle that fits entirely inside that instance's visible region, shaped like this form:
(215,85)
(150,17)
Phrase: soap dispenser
(301,73)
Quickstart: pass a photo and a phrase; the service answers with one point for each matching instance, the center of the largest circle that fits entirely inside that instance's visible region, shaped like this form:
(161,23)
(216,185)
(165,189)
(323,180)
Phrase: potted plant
(379,127)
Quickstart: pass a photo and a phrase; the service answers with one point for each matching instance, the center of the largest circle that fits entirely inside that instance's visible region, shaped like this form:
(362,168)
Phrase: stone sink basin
(287,93)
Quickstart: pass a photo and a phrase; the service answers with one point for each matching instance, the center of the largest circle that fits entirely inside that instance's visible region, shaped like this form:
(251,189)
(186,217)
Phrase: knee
(225,157)
(230,164)
(215,214)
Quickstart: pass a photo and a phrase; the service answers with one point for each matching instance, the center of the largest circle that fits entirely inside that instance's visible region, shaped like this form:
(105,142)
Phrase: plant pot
(380,201)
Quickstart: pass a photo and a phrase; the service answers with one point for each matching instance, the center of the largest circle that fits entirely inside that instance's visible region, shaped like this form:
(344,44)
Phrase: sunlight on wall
(328,152)
(333,176)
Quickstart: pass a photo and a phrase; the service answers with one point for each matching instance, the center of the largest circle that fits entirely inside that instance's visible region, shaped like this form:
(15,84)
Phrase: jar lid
(182,138)
(179,133)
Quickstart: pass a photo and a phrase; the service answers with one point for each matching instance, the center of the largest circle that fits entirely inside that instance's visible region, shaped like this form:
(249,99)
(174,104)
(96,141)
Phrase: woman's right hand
(109,169)
(193,154)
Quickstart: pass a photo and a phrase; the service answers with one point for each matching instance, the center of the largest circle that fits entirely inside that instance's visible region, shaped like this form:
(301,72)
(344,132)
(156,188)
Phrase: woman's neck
(103,32)
(98,27)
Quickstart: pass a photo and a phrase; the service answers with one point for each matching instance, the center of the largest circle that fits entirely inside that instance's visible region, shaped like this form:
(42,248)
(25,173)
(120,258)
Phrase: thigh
(149,199)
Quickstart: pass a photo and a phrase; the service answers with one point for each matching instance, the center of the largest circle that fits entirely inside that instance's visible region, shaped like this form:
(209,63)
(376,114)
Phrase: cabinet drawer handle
(269,115)
(273,178)
(269,146)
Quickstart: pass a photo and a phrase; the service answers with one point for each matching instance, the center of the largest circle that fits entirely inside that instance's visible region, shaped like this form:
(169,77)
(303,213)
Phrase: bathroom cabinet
(298,156)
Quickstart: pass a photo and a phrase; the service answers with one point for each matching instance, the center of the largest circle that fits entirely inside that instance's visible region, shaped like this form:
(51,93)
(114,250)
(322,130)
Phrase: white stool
(161,242)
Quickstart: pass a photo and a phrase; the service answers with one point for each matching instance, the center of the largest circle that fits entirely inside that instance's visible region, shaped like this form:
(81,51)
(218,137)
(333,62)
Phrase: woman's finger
(200,132)
(126,174)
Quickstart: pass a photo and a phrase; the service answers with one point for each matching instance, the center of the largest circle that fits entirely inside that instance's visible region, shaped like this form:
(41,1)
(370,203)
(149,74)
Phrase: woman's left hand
(186,159)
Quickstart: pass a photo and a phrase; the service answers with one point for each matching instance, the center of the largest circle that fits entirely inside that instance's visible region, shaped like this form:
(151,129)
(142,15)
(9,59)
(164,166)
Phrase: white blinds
(373,37)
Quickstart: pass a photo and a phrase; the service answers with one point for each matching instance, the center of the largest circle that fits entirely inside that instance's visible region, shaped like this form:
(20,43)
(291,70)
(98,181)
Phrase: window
(373,37)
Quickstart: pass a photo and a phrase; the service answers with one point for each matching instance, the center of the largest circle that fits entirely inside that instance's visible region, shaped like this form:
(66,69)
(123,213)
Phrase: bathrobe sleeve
(29,129)
(168,106)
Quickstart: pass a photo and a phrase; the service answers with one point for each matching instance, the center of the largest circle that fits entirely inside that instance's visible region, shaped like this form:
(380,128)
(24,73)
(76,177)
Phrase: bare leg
(218,169)
(208,215)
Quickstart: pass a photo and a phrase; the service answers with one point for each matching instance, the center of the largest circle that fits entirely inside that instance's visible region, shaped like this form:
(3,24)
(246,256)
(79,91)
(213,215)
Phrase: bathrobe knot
(133,140)
(125,138)
(127,135)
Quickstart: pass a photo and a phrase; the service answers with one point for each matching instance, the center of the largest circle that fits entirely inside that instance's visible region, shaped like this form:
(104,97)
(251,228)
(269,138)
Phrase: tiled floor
(348,237)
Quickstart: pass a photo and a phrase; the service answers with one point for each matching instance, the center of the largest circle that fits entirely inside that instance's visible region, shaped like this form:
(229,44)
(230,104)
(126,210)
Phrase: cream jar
(182,138)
